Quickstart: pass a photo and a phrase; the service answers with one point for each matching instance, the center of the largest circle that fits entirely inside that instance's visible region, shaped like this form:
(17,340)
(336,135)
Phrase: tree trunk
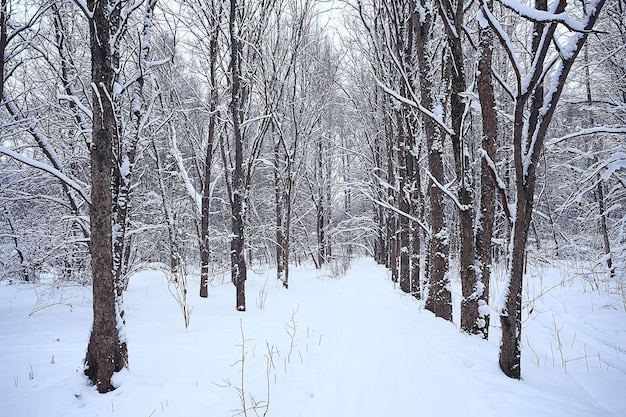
(526,154)
(278,203)
(599,195)
(4,15)
(404,206)
(287,229)
(486,211)
(415,204)
(439,299)
(237,246)
(107,352)
(470,287)
(322,249)
(511,314)
(205,252)
(604,231)
(16,246)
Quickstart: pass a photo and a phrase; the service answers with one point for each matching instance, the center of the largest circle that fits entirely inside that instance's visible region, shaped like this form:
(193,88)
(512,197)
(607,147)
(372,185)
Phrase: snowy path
(384,355)
(360,349)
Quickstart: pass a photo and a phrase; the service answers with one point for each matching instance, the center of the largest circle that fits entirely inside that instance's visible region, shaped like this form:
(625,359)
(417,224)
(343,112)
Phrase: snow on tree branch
(437,119)
(47,168)
(541,16)
(191,190)
(588,131)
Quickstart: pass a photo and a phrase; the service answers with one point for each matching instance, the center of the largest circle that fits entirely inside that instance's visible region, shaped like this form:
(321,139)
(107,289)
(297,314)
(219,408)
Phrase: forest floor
(353,347)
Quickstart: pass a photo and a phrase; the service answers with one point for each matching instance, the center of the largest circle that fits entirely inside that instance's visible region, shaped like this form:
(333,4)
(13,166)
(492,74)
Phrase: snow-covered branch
(541,16)
(388,206)
(82,5)
(47,168)
(191,190)
(446,191)
(588,131)
(437,119)
(76,101)
(500,185)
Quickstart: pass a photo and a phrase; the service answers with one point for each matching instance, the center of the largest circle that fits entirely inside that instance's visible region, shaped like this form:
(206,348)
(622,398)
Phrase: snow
(175,152)
(615,162)
(351,346)
(47,168)
(544,16)
(117,89)
(481,19)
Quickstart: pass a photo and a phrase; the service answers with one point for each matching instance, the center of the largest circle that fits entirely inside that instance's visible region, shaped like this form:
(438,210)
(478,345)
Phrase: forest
(463,152)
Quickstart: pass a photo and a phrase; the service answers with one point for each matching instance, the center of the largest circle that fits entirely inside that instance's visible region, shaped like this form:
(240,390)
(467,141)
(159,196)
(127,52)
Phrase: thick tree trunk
(106,352)
(391,217)
(526,154)
(470,288)
(439,299)
(511,314)
(414,205)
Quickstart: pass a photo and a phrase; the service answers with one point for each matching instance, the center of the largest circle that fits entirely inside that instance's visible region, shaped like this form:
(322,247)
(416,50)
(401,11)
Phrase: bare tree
(107,351)
(486,210)
(439,299)
(533,111)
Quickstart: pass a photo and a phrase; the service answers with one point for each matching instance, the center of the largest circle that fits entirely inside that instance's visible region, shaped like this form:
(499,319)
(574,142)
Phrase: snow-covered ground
(353,346)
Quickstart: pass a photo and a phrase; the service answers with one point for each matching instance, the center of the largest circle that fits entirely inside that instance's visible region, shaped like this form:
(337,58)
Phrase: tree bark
(4,15)
(107,352)
(237,244)
(278,201)
(470,286)
(486,211)
(403,206)
(205,252)
(439,299)
(528,141)
(321,221)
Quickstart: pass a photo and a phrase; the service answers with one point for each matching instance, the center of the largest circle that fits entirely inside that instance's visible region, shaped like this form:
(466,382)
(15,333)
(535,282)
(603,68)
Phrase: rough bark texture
(439,299)
(106,352)
(392,218)
(485,220)
(453,14)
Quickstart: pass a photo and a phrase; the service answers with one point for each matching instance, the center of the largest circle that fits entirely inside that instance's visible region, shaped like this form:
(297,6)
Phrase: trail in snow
(360,348)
